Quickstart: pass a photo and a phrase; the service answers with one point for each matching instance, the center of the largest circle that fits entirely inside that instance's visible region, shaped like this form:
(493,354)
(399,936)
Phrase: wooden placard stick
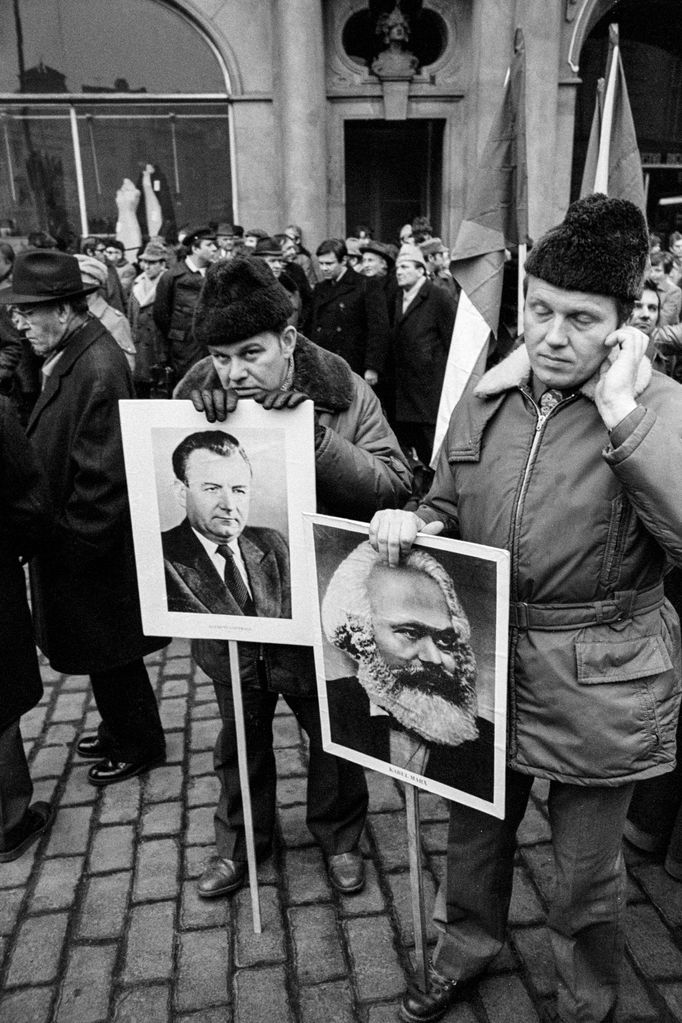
(416,883)
(244,783)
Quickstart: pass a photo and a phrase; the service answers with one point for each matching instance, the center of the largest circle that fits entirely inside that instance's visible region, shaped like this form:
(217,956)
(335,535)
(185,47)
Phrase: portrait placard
(411,661)
(217,519)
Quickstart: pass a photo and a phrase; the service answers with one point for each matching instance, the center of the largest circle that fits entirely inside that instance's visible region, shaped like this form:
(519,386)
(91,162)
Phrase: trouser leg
(259,709)
(131,727)
(472,904)
(588,906)
(16,787)
(655,802)
(337,790)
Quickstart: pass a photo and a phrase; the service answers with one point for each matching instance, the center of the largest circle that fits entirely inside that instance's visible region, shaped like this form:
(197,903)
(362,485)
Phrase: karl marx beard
(435,704)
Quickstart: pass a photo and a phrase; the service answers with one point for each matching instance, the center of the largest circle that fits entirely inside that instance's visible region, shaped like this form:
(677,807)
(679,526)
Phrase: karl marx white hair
(448,717)
(346,610)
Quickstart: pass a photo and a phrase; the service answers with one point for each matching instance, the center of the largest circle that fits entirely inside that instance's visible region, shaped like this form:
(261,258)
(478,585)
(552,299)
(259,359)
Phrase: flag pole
(601,177)
(520,300)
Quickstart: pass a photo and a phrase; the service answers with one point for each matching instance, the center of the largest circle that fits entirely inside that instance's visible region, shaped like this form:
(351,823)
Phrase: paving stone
(112,849)
(433,808)
(70,831)
(390,835)
(331,1003)
(506,1000)
(318,954)
(27,1006)
(285,732)
(60,735)
(525,907)
(203,969)
(179,667)
(204,711)
(290,762)
(175,747)
(163,784)
(650,943)
(200,829)
(49,761)
(84,994)
(173,713)
(401,889)
(203,734)
(161,819)
(291,790)
(103,912)
(384,794)
(18,871)
(306,875)
(434,837)
(533,945)
(150,943)
(664,892)
(262,995)
(157,869)
(150,1004)
(69,707)
(121,803)
(219,1014)
(57,883)
(373,958)
(672,996)
(171,687)
(293,826)
(10,903)
(196,912)
(32,723)
(203,791)
(35,959)
(267,947)
(201,763)
(633,1000)
(195,859)
(78,790)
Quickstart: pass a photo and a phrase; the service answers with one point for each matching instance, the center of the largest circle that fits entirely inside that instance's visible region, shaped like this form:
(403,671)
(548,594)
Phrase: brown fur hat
(240,297)
(601,247)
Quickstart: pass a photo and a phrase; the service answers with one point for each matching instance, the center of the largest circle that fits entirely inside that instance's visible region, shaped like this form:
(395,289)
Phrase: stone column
(301,102)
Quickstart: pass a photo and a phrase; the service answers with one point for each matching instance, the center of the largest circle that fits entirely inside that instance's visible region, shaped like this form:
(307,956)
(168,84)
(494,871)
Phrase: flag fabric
(496,218)
(613,164)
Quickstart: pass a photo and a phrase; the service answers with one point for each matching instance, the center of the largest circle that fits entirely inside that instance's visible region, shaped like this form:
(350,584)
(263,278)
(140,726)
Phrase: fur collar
(323,376)
(514,371)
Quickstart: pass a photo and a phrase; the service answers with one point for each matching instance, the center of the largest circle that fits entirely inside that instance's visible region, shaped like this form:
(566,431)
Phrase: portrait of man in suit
(214,562)
(409,635)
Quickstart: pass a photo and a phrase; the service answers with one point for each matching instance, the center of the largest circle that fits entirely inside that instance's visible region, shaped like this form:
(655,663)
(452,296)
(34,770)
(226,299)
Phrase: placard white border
(139,418)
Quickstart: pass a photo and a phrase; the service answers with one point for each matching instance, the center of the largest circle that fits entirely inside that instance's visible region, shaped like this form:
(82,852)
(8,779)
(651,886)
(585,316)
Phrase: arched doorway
(651,47)
(93,91)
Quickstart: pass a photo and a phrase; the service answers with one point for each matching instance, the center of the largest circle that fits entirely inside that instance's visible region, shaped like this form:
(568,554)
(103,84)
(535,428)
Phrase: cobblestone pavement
(101,922)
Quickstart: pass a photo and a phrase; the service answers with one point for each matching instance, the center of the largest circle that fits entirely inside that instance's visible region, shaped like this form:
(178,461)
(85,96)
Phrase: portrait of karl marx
(409,636)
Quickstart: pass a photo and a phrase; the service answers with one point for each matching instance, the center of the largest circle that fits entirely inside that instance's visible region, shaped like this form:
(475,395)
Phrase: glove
(282,399)
(215,403)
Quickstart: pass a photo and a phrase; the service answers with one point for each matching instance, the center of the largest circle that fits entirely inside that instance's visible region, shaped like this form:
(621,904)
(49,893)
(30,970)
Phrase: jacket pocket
(623,661)
(619,522)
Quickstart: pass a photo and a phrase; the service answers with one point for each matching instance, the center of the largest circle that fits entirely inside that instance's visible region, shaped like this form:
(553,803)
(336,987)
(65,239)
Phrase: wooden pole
(416,883)
(523,252)
(244,783)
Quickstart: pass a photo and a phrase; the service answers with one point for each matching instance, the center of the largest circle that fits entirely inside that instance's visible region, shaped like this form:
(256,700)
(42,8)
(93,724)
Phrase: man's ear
(180,491)
(288,339)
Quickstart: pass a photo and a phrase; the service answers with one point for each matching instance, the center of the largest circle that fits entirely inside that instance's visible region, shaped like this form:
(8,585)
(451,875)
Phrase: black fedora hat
(43,275)
(383,249)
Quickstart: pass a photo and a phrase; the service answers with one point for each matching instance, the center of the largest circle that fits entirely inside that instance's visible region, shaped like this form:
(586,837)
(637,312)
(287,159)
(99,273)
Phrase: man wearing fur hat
(242,319)
(568,453)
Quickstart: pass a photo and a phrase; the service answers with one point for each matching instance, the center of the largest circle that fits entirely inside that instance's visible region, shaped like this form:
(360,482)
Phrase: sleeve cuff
(622,430)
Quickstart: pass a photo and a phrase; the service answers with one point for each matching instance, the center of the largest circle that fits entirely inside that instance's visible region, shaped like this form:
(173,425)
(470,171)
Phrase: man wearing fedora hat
(176,296)
(83,580)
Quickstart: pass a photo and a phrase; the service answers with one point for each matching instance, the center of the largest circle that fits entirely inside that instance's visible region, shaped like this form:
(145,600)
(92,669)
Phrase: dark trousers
(337,791)
(16,787)
(419,436)
(131,727)
(586,915)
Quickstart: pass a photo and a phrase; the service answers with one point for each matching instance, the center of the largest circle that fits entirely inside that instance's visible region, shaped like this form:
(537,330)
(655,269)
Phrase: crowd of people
(567,454)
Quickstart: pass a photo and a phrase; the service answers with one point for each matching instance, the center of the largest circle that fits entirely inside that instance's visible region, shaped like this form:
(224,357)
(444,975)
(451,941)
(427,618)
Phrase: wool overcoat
(420,345)
(84,586)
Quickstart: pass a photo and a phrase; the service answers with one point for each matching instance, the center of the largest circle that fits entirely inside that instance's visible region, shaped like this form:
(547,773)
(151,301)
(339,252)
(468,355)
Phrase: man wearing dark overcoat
(84,585)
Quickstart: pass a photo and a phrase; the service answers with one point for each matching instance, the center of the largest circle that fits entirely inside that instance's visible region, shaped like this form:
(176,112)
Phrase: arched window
(93,93)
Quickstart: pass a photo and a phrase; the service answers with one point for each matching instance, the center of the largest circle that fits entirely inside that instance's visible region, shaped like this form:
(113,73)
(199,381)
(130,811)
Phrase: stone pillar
(300,98)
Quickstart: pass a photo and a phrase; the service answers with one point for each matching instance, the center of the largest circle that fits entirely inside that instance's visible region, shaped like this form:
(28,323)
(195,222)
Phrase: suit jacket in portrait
(193,584)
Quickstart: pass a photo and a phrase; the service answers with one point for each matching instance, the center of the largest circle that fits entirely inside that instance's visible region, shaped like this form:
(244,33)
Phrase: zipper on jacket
(542,418)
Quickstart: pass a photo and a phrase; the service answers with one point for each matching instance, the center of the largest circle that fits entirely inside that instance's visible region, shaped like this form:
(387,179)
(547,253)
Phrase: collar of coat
(323,376)
(515,371)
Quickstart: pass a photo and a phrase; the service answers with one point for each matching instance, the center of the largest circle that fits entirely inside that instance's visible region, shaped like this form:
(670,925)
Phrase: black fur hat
(240,297)
(601,247)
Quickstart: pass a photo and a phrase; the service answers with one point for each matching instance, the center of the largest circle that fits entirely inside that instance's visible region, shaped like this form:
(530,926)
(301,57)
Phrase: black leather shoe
(425,1006)
(221,877)
(347,872)
(37,821)
(107,772)
(92,748)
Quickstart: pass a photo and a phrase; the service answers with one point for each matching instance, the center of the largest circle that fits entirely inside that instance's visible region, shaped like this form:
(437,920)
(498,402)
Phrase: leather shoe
(221,877)
(107,772)
(37,820)
(425,1006)
(347,872)
(92,748)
